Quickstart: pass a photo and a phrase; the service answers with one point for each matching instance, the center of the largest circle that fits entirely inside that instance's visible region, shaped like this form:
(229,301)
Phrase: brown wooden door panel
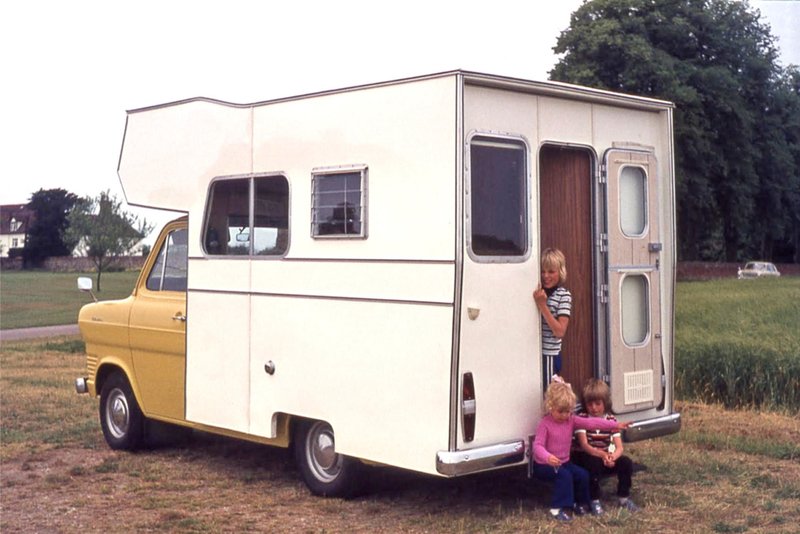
(565,196)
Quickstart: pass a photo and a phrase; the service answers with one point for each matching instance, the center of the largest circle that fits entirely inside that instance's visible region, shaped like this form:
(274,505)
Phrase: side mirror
(85,284)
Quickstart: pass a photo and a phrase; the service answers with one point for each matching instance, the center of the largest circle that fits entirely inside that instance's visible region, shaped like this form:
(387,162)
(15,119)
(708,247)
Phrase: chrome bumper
(653,428)
(453,463)
(81,386)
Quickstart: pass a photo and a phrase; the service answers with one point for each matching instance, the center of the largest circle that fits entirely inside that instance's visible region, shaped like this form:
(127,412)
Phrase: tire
(120,417)
(324,471)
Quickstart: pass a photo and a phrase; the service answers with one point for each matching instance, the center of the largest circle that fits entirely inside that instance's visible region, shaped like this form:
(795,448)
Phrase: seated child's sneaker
(627,503)
(597,508)
(581,509)
(560,515)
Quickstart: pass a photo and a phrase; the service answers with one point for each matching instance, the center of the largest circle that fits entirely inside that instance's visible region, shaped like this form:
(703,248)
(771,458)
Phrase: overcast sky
(71,69)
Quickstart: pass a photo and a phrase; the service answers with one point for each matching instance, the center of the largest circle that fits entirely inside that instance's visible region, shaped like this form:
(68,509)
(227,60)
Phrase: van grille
(639,387)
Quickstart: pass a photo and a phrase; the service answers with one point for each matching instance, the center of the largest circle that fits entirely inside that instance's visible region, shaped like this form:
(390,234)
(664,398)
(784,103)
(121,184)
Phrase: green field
(41,298)
(738,342)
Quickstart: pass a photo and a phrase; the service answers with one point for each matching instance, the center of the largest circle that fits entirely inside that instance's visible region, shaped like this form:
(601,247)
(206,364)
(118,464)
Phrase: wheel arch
(106,369)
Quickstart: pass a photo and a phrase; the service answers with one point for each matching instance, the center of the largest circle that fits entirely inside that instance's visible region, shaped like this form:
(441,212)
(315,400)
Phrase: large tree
(47,236)
(736,159)
(104,231)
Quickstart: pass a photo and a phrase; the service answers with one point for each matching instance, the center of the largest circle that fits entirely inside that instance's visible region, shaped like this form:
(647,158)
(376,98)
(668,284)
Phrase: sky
(72,69)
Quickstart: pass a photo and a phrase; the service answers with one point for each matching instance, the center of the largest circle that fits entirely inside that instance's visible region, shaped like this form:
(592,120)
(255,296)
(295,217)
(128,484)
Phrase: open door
(634,299)
(566,215)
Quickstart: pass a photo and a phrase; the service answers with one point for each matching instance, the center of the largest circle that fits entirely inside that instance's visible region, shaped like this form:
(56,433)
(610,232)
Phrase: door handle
(269,368)
(179,317)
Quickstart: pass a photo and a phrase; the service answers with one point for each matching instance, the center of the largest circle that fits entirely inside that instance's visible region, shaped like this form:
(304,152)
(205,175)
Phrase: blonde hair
(552,258)
(559,395)
(595,390)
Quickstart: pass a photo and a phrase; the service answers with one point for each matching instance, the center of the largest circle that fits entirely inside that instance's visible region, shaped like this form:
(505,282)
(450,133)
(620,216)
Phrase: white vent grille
(639,387)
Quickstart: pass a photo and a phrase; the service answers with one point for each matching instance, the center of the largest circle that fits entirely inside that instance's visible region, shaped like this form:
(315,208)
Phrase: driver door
(158,329)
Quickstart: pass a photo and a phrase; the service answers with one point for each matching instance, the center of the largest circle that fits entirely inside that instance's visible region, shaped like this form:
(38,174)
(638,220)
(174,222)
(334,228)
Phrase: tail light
(468,407)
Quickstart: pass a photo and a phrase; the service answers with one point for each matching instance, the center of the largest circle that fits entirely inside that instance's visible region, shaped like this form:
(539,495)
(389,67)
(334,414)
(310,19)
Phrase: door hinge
(602,294)
(602,242)
(602,176)
(607,379)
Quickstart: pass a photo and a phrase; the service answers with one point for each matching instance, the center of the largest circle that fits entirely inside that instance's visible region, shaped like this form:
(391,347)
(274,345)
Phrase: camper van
(353,270)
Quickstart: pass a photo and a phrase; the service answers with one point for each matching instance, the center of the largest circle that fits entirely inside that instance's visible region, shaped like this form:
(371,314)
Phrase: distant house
(15,221)
(81,250)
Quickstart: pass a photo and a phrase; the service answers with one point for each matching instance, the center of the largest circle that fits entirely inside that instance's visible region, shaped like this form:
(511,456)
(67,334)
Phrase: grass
(42,298)
(737,342)
(727,471)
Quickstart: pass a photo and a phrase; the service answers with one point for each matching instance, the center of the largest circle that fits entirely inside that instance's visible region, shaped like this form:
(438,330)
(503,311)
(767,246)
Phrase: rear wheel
(120,417)
(325,471)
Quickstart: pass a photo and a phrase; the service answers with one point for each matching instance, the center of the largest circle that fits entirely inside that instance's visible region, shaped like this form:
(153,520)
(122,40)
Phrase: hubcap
(321,452)
(117,415)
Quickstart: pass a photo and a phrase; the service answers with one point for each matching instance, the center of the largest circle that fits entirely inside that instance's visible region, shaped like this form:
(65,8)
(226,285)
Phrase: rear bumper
(454,463)
(653,428)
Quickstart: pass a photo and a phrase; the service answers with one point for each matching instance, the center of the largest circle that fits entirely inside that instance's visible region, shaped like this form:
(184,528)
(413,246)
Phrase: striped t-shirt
(560,303)
(599,439)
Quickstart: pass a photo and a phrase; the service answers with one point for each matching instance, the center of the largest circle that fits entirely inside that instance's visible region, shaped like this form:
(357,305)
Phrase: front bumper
(81,386)
(653,428)
(454,463)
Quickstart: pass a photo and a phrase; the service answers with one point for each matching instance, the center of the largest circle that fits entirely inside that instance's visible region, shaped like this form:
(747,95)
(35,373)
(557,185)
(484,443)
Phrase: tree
(736,168)
(47,236)
(104,231)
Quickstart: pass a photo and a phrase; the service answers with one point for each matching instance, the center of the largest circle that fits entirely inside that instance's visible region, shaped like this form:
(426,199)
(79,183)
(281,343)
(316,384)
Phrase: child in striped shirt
(600,451)
(551,448)
(555,304)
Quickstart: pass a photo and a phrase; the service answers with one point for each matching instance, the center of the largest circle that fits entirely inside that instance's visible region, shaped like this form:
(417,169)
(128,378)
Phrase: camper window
(498,190)
(338,202)
(237,226)
(169,270)
(635,306)
(633,201)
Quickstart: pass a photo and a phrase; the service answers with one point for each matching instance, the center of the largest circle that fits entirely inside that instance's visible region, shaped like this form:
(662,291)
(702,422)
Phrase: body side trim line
(319,297)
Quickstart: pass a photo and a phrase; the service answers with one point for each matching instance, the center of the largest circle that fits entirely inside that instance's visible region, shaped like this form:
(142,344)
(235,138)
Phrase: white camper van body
(374,332)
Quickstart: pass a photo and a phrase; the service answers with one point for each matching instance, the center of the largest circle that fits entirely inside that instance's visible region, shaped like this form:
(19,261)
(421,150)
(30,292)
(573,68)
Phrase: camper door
(499,344)
(634,270)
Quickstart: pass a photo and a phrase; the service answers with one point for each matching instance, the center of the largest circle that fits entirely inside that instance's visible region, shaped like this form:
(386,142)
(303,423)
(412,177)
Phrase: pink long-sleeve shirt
(556,438)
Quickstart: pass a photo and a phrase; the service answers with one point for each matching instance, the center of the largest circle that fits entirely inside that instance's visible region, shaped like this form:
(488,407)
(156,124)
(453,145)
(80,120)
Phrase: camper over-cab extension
(354,269)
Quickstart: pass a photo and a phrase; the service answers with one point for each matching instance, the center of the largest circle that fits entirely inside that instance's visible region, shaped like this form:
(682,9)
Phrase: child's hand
(539,296)
(608,460)
(553,461)
(623,426)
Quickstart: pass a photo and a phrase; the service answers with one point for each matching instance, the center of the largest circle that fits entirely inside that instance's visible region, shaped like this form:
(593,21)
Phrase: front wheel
(120,417)
(325,471)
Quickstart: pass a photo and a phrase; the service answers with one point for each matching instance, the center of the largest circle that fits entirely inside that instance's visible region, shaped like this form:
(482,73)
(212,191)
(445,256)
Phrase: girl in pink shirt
(551,449)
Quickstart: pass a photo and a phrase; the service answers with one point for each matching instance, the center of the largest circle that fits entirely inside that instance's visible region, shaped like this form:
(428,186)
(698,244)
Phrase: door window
(635,306)
(169,270)
(498,191)
(633,201)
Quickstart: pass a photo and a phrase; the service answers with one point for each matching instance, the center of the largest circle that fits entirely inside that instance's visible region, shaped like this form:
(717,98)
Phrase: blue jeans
(572,483)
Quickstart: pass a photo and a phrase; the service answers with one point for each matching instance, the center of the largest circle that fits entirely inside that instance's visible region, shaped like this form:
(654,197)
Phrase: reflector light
(468,407)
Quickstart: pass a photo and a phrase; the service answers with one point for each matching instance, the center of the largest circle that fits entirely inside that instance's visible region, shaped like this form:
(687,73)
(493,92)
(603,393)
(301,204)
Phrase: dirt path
(39,331)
